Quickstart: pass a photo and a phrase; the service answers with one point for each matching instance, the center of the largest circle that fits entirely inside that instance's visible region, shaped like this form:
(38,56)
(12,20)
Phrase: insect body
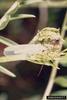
(52,40)
(49,36)
(43,49)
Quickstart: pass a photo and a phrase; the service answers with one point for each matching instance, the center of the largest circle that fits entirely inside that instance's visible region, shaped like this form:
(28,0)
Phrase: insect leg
(40,70)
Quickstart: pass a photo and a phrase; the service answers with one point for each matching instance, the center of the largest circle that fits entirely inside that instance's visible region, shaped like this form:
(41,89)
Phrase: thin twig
(51,4)
(50,83)
(6,71)
(11,58)
(6,18)
(64,26)
(54,4)
(54,70)
(11,11)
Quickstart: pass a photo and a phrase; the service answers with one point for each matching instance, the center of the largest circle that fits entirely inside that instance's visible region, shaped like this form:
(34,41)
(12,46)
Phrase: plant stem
(6,18)
(11,11)
(11,58)
(54,70)
(64,26)
(50,83)
(54,4)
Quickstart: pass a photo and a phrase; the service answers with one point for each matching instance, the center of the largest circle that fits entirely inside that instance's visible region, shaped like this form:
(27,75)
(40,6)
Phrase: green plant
(47,46)
(9,16)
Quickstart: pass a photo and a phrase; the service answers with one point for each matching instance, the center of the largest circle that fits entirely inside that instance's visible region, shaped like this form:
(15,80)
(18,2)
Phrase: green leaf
(65,27)
(7,72)
(6,41)
(11,58)
(63,60)
(65,42)
(36,97)
(61,80)
(4,21)
(21,16)
(60,93)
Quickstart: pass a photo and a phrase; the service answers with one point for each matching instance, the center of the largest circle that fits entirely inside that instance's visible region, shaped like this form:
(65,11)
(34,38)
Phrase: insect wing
(26,49)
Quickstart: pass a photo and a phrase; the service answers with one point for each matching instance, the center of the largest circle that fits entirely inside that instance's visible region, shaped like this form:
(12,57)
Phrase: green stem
(6,18)
(64,26)
(11,58)
(54,4)
(54,70)
(12,10)
(50,83)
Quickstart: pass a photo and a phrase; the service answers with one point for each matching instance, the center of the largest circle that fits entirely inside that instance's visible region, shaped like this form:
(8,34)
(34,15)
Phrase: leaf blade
(7,41)
(60,93)
(21,16)
(62,81)
(7,72)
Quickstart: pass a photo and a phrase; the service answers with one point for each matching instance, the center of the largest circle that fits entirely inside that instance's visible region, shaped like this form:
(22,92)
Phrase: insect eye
(57,41)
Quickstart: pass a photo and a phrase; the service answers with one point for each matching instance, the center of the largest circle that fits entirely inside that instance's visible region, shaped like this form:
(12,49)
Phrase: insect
(44,49)
(51,39)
